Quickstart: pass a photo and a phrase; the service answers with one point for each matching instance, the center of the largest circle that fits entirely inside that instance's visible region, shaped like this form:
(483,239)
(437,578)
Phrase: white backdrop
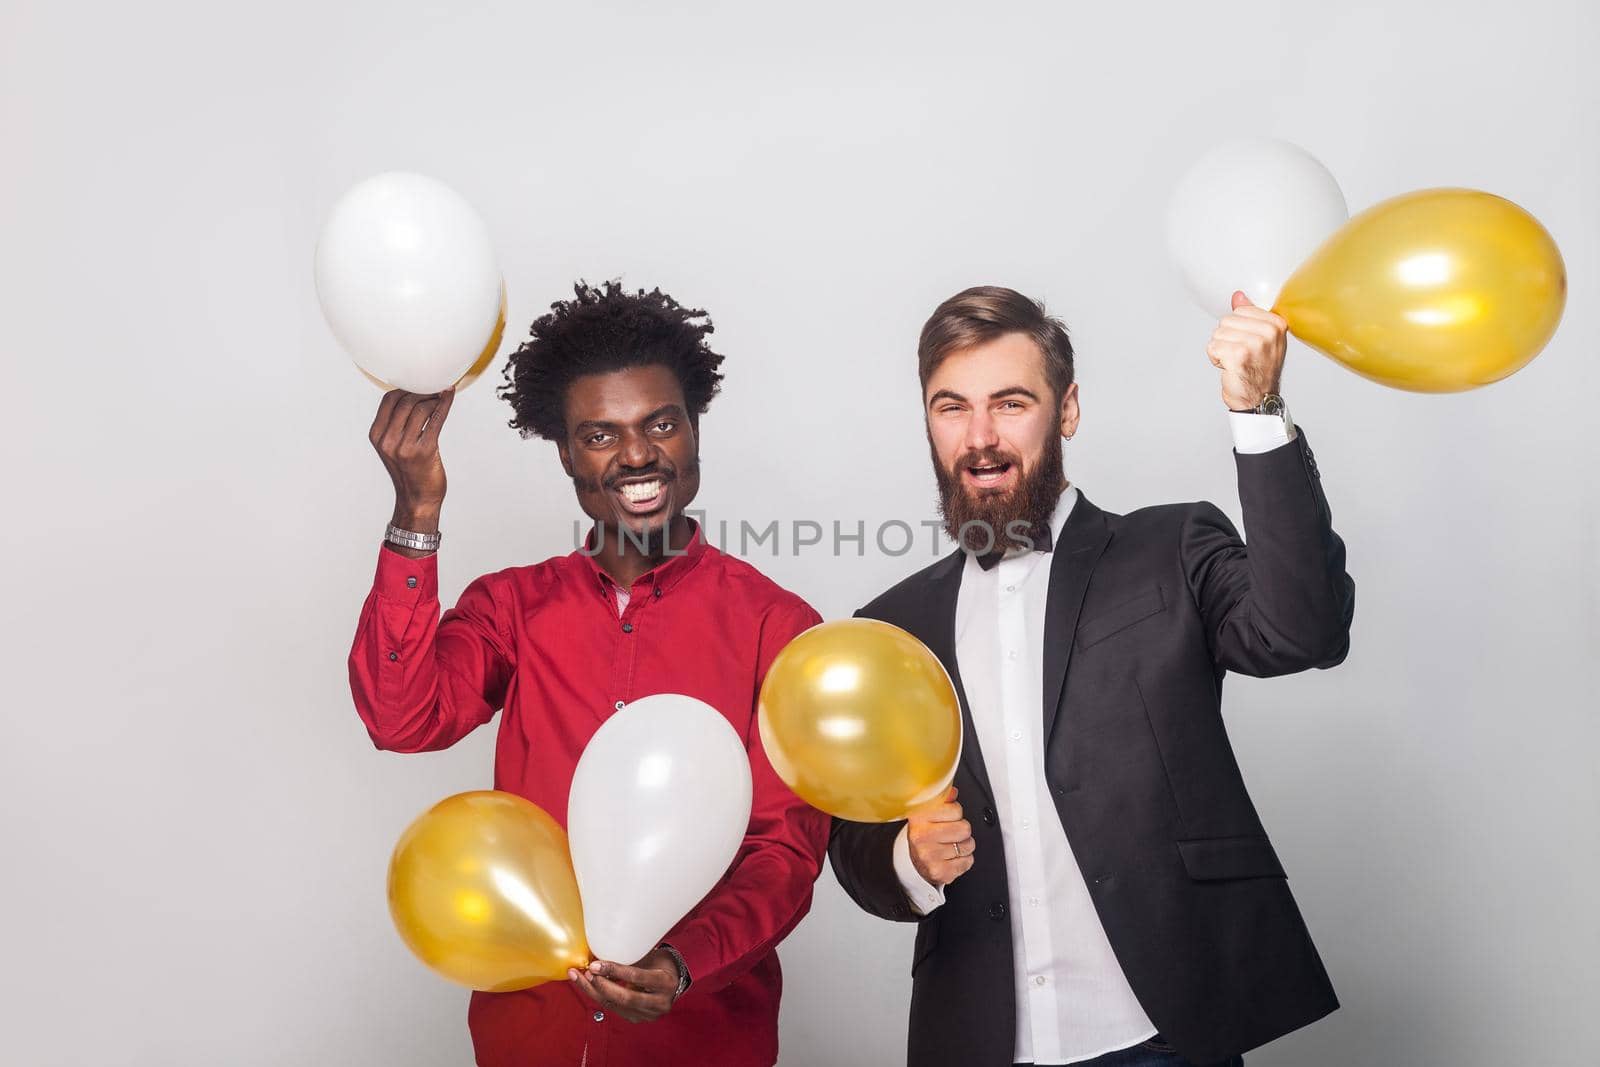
(195,826)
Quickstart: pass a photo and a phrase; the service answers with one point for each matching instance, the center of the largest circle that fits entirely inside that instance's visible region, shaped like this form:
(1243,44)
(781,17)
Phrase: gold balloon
(1435,291)
(481,888)
(861,720)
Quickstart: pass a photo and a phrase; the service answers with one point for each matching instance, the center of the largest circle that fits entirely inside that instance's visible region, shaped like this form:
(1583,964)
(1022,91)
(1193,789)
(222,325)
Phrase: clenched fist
(1248,347)
(941,841)
(405,433)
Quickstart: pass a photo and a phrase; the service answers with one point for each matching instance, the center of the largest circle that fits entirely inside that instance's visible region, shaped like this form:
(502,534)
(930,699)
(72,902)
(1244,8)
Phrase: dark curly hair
(606,328)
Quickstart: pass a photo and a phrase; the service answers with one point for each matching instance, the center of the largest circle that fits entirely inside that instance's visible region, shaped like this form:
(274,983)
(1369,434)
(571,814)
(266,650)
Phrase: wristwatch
(683,969)
(422,542)
(1271,404)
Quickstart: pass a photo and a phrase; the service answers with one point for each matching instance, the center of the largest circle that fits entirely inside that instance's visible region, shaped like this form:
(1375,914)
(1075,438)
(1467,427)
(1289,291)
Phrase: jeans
(1152,1053)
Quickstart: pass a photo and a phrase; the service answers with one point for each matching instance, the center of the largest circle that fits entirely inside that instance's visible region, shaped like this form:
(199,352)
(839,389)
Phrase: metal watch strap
(422,542)
(683,969)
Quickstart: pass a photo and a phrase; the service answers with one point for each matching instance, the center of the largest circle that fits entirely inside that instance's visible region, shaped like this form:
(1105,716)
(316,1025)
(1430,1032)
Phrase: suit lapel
(940,637)
(1083,540)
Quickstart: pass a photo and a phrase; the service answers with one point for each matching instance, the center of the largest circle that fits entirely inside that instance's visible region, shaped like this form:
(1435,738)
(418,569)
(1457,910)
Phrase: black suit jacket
(1146,613)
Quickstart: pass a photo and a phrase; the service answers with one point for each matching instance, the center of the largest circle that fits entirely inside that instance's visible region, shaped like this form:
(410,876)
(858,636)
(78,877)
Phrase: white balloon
(659,806)
(1246,215)
(408,281)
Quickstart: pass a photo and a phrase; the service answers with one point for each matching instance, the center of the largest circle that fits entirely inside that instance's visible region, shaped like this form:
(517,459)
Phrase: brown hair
(985,312)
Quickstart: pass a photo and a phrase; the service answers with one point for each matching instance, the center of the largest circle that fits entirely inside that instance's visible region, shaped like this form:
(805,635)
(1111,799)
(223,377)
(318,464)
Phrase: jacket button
(393,656)
(627,627)
(997,911)
(599,1016)
(988,816)
(411,583)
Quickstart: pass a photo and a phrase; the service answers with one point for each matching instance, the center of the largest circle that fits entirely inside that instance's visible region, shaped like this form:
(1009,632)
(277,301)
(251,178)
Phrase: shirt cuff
(403,580)
(1254,433)
(924,897)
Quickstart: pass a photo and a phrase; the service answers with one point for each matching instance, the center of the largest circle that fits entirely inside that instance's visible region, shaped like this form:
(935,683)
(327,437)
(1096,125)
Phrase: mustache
(665,471)
(985,457)
(658,470)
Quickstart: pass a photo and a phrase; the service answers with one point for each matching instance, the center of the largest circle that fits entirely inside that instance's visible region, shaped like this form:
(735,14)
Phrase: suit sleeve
(767,890)
(1285,603)
(422,681)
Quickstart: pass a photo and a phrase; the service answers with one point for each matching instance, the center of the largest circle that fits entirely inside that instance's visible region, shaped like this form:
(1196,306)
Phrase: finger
(1240,300)
(394,432)
(1260,314)
(380,420)
(620,996)
(943,813)
(949,833)
(417,420)
(645,978)
(430,436)
(1249,328)
(1241,337)
(582,981)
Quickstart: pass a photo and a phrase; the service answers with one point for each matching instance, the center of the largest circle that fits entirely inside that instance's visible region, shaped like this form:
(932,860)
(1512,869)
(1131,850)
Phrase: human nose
(637,451)
(980,433)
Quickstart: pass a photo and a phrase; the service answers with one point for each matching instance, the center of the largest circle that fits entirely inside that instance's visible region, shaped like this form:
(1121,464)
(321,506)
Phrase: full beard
(992,522)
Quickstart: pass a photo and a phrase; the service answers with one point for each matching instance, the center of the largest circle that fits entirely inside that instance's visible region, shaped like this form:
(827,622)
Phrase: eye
(1011,405)
(664,426)
(597,439)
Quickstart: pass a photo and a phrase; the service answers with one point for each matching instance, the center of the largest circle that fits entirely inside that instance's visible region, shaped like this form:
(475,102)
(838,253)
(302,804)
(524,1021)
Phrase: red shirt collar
(664,575)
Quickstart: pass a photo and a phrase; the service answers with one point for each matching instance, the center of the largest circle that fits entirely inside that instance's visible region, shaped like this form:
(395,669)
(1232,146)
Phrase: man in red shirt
(618,380)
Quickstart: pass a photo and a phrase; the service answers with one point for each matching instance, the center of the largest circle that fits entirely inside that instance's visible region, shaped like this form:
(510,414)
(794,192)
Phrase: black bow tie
(1041,541)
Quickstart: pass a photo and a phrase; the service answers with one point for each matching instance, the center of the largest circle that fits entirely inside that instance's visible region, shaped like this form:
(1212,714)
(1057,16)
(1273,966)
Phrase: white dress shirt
(1073,1001)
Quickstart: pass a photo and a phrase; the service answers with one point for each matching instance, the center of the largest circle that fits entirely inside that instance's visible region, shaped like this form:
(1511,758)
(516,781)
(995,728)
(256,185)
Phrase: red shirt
(546,644)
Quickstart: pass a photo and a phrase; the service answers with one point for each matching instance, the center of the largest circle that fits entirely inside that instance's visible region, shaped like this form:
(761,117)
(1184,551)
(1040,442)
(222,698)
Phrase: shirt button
(1016,735)
(1027,824)
(1011,589)
(627,627)
(1011,653)
(394,656)
(599,1016)
(1038,979)
(411,583)
(1033,902)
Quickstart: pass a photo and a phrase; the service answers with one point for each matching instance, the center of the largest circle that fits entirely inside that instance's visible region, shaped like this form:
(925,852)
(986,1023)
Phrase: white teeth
(641,491)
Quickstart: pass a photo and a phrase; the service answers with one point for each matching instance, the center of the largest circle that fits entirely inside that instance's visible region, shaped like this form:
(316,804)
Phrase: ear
(1069,411)
(565,452)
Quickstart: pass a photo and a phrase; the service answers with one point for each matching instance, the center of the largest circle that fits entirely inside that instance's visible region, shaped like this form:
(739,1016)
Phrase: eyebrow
(999,394)
(604,424)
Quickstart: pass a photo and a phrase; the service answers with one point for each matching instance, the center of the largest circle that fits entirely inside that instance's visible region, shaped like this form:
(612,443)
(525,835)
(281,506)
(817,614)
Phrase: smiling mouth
(642,497)
(988,476)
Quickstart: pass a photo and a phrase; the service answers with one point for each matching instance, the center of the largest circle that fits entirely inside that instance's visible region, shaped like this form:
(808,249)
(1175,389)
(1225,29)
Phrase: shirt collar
(663,576)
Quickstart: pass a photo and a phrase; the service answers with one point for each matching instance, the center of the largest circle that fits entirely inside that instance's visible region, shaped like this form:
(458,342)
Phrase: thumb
(1240,300)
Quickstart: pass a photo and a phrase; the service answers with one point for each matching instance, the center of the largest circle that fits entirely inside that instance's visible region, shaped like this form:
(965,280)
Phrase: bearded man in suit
(1097,887)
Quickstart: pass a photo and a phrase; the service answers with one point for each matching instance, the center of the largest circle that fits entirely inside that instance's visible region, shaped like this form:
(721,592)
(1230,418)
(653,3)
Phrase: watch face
(1271,404)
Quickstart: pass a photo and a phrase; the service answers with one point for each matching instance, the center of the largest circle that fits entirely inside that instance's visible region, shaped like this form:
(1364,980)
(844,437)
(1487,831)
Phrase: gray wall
(195,826)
